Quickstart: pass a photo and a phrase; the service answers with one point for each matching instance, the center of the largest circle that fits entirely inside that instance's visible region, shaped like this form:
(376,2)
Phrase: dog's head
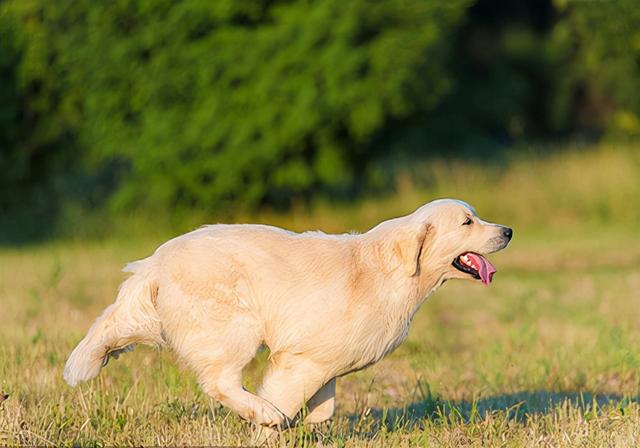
(446,238)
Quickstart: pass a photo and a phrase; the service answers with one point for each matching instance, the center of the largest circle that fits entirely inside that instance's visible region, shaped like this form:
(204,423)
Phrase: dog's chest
(378,337)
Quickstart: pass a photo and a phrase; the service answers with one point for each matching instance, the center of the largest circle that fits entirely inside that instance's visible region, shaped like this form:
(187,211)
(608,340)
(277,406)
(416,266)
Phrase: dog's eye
(468,222)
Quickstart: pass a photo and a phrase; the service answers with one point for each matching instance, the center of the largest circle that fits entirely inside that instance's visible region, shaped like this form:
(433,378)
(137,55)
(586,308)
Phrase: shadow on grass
(519,407)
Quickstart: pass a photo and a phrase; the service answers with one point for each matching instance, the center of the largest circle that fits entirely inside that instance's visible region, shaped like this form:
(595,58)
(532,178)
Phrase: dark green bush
(240,102)
(205,105)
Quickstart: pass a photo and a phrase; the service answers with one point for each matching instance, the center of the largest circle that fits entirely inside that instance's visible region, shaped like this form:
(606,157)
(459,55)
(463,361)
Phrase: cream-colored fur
(325,305)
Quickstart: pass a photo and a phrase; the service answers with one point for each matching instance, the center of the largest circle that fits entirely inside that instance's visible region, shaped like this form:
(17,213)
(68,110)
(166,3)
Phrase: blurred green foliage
(205,105)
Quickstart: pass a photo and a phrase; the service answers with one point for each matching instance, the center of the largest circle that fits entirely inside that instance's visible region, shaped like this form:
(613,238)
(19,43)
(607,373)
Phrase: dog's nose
(508,233)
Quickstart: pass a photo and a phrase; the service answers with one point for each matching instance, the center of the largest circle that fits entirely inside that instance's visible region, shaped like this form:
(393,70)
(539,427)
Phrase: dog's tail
(132,319)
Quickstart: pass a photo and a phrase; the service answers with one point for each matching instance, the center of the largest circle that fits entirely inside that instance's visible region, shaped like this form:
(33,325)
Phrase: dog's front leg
(322,405)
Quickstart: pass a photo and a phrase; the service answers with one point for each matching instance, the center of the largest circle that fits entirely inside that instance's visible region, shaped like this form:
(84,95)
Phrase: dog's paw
(271,417)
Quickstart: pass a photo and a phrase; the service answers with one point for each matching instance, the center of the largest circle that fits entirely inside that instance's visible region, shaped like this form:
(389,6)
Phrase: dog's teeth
(464,259)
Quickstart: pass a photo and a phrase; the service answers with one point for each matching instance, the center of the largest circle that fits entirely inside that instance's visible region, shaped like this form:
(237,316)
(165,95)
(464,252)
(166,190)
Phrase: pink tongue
(485,268)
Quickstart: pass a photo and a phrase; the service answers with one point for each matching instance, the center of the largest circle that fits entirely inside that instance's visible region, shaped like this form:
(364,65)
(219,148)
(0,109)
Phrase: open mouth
(476,266)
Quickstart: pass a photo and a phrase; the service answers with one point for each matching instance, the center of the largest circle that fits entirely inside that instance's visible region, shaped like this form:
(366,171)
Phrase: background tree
(199,105)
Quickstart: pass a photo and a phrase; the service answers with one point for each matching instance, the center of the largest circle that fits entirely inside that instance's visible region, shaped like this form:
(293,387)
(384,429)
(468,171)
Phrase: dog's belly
(341,346)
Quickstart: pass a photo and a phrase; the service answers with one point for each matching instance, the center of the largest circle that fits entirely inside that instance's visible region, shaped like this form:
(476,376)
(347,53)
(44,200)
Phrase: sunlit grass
(548,355)
(532,188)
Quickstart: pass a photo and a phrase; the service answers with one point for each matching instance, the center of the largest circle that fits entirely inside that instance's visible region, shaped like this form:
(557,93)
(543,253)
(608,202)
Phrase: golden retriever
(324,305)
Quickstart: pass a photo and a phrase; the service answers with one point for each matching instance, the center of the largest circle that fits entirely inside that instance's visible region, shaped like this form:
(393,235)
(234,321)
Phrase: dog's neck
(388,303)
(401,294)
(377,257)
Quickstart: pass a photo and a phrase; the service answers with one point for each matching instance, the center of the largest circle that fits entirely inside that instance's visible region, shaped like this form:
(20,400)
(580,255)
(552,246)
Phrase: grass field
(548,355)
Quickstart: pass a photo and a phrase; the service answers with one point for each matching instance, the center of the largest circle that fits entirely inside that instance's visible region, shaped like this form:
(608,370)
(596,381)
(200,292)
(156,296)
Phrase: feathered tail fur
(132,319)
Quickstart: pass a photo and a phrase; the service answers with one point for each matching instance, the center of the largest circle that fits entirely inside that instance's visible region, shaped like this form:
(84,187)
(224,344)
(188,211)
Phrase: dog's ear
(409,246)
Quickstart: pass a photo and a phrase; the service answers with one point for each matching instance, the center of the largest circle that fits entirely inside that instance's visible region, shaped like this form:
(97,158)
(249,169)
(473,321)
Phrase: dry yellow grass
(546,356)
(549,355)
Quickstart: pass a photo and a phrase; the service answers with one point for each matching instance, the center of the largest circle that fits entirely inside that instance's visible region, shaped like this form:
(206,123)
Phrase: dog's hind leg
(218,354)
(291,380)
(225,386)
